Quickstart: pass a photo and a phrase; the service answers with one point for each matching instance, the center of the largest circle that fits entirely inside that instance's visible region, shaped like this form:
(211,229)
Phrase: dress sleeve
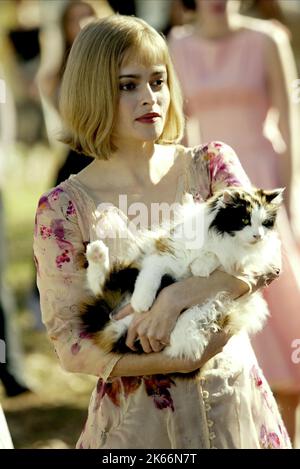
(219,164)
(59,256)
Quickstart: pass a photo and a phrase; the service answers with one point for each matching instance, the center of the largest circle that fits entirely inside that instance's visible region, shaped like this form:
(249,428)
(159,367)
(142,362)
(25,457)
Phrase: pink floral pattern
(157,387)
(45,232)
(55,193)
(56,229)
(62,258)
(70,209)
(112,390)
(269,440)
(222,166)
(256,374)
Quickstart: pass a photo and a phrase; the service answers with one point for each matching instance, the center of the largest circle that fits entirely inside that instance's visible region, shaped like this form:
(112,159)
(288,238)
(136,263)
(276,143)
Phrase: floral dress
(228,405)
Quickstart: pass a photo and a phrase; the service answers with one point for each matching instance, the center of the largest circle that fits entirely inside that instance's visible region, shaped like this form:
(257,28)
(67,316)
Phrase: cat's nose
(257,236)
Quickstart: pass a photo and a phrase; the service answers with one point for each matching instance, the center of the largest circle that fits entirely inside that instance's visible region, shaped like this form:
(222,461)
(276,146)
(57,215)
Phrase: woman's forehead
(145,55)
(136,67)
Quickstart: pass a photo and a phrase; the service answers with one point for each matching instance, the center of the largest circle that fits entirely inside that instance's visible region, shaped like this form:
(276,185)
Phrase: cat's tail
(249,313)
(97,323)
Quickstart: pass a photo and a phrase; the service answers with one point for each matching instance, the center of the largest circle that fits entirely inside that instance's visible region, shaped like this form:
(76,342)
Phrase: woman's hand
(215,345)
(153,327)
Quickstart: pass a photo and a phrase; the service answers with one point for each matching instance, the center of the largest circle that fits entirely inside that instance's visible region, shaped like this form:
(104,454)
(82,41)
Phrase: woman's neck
(133,167)
(217,27)
(134,156)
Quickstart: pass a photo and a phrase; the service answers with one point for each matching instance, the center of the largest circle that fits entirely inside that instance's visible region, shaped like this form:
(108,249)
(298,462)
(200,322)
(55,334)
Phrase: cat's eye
(245,221)
(268,223)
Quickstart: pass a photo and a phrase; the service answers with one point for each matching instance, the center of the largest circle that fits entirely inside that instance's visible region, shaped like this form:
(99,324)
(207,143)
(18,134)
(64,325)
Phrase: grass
(54,414)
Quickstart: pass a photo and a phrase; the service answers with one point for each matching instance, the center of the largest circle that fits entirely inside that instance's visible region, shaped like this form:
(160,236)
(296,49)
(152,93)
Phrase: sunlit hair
(90,87)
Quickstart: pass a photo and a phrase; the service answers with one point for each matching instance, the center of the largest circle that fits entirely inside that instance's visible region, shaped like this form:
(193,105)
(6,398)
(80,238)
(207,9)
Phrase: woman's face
(143,102)
(77,13)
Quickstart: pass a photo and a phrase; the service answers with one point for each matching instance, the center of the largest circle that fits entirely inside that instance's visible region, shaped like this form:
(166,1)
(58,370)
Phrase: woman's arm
(160,363)
(153,327)
(59,251)
(59,255)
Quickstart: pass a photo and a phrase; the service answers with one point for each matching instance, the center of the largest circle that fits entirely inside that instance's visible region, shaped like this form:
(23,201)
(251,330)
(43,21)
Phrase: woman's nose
(148,95)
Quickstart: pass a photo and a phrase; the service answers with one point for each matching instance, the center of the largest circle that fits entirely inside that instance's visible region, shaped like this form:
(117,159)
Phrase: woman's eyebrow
(129,76)
(132,75)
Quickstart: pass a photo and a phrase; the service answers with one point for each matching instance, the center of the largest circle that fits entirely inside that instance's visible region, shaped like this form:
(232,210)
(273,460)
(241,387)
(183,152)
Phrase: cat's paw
(142,301)
(97,253)
(204,265)
(199,269)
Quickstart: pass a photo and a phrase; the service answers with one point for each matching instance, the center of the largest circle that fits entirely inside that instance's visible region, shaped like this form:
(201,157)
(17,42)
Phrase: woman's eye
(127,86)
(157,83)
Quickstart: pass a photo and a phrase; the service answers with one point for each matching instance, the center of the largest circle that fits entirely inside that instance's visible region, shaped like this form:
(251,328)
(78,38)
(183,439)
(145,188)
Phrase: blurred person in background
(72,17)
(11,368)
(233,71)
(264,9)
(21,59)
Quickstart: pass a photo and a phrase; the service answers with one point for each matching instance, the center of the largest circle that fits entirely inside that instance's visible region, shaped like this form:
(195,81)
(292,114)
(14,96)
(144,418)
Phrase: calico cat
(233,231)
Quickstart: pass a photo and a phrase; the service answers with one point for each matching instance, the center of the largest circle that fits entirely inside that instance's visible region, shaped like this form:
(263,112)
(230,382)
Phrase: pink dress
(226,98)
(230,404)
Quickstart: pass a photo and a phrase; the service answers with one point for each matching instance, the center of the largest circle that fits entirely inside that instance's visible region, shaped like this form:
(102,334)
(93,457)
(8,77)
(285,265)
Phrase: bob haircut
(90,87)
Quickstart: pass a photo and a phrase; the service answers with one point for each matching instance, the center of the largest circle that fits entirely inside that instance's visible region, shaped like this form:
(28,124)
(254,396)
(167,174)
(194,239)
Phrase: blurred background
(44,406)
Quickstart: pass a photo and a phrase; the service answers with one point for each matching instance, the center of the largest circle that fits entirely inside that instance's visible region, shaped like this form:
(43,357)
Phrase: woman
(233,71)
(120,102)
(73,15)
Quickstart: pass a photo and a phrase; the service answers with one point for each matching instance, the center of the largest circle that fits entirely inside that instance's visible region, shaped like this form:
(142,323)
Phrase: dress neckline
(93,205)
(182,186)
(219,41)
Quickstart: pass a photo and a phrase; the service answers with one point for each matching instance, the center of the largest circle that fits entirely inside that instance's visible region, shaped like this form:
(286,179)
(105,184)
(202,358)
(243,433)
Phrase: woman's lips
(148,118)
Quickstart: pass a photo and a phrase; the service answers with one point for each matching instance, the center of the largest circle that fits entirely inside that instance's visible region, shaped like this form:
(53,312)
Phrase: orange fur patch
(105,340)
(162,245)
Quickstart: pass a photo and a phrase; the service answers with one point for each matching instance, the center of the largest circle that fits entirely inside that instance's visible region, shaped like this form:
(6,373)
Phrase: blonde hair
(90,86)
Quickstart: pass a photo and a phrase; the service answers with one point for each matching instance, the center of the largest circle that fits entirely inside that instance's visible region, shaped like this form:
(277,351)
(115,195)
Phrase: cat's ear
(226,198)
(274,196)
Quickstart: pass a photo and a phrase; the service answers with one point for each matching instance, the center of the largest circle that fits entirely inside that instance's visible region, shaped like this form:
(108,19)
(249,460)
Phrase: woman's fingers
(123,312)
(131,338)
(144,328)
(156,345)
(145,344)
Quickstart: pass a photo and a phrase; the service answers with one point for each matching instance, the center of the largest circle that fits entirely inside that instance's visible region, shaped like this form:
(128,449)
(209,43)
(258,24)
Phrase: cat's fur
(233,230)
